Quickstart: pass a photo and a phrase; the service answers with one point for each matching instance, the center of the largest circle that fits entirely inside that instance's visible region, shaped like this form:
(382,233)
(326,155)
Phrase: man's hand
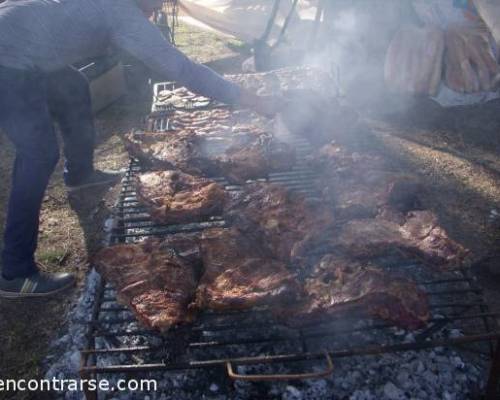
(268,106)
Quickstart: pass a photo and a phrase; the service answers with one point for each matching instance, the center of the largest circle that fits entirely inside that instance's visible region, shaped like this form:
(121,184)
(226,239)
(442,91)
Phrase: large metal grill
(223,341)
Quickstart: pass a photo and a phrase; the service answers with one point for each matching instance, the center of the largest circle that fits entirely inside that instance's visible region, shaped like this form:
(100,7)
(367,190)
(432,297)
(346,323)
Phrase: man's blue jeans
(29,102)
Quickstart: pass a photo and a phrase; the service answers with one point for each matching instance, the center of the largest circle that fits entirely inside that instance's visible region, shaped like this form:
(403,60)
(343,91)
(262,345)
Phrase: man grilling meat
(39,39)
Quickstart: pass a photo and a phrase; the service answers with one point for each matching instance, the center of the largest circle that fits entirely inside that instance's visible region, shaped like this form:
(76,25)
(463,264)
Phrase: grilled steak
(219,122)
(180,97)
(238,274)
(281,80)
(337,286)
(180,150)
(362,185)
(255,160)
(176,197)
(249,154)
(419,236)
(287,224)
(152,279)
(433,243)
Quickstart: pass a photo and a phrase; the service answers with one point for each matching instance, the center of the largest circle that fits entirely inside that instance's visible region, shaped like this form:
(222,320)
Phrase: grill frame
(131,223)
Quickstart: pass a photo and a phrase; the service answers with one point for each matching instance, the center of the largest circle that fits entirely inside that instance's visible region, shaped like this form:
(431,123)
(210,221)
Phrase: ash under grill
(217,343)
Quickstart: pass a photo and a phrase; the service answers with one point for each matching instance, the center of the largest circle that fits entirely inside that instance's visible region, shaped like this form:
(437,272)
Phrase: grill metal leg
(494,378)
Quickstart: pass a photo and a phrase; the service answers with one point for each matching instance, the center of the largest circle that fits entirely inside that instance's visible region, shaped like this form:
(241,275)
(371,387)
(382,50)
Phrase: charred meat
(176,197)
(288,224)
(419,237)
(238,274)
(337,286)
(239,157)
(361,185)
(152,279)
(256,159)
(181,150)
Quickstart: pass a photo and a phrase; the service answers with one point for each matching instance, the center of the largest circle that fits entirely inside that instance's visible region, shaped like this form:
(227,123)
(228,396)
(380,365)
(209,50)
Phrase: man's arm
(134,33)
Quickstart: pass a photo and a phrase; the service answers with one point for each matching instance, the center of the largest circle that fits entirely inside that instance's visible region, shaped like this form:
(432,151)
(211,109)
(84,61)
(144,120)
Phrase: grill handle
(282,377)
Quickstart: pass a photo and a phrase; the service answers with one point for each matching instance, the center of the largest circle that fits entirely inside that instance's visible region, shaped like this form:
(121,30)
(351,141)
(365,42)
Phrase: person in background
(39,40)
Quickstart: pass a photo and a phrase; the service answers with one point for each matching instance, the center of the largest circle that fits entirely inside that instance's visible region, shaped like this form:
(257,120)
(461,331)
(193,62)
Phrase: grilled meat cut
(180,97)
(219,122)
(152,279)
(362,185)
(337,286)
(290,78)
(379,204)
(246,155)
(176,197)
(433,243)
(419,236)
(288,224)
(181,150)
(239,274)
(256,159)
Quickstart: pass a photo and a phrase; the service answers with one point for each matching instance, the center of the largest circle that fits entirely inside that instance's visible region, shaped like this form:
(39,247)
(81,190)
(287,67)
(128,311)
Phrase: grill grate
(118,344)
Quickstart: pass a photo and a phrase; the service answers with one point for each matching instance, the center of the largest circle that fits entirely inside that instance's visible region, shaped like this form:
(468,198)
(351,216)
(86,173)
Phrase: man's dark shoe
(97,178)
(41,284)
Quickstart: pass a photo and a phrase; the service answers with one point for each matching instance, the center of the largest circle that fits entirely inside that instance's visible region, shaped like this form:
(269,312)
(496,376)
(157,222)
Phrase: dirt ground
(456,152)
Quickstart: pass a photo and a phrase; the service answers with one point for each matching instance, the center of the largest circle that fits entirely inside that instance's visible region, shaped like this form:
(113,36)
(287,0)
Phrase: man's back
(49,34)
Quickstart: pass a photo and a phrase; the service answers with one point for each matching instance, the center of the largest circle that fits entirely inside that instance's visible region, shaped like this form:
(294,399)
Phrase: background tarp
(247,19)
(489,10)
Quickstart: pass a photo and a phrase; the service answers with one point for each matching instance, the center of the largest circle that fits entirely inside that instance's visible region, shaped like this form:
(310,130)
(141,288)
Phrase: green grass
(52,257)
